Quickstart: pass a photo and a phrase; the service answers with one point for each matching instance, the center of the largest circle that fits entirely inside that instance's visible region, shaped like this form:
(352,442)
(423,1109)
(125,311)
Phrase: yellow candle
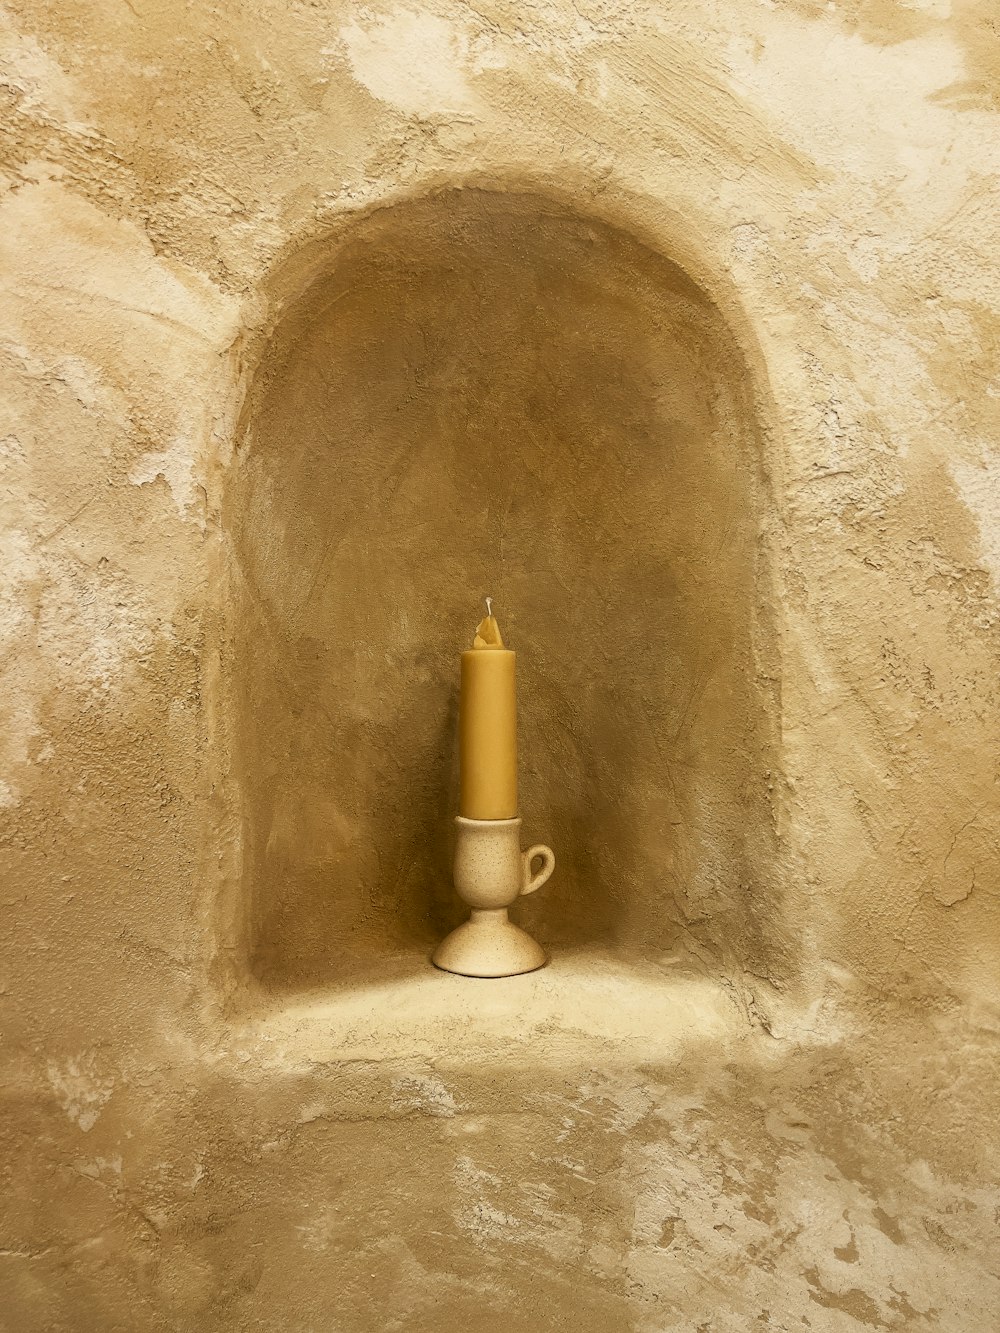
(487,726)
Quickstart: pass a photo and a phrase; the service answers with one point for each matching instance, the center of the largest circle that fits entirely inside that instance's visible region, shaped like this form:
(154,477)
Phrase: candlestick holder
(491,872)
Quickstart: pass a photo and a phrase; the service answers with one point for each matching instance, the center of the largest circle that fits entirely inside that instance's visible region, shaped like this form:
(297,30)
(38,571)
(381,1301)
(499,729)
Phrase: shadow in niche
(484,393)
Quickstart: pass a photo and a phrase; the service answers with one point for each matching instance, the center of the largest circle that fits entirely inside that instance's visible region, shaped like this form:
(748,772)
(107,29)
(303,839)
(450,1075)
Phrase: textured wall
(171,179)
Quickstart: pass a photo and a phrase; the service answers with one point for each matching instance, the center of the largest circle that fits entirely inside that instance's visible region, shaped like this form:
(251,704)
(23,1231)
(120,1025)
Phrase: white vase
(491,872)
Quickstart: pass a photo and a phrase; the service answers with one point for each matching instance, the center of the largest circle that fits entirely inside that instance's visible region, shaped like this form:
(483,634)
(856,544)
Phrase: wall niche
(478,392)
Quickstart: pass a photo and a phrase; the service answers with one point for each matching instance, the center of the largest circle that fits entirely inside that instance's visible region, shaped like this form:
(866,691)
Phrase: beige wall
(171,178)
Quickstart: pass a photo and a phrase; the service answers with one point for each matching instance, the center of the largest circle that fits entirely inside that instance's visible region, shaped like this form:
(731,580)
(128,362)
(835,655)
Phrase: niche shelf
(583,1007)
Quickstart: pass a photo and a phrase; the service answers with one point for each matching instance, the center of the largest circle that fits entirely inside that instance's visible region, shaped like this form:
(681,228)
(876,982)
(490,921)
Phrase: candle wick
(489,606)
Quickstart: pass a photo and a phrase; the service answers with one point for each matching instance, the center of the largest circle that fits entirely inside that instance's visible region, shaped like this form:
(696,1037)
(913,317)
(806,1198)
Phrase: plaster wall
(826,179)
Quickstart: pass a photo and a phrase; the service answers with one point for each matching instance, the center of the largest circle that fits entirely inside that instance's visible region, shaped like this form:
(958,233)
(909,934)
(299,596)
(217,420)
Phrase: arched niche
(484,392)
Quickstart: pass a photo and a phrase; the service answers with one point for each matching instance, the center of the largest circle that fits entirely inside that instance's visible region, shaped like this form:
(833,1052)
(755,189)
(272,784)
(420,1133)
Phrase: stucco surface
(791,1122)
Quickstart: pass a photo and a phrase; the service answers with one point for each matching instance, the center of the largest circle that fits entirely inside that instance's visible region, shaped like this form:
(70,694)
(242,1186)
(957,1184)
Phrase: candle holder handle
(548,857)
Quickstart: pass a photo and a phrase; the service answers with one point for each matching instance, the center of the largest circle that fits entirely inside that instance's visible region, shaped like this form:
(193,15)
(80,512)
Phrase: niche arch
(481,391)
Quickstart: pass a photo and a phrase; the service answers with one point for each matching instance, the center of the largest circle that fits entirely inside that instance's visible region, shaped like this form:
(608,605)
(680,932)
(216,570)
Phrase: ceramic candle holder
(491,872)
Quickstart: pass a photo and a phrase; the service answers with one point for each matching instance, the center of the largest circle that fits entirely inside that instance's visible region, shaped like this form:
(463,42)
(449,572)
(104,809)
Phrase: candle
(487,726)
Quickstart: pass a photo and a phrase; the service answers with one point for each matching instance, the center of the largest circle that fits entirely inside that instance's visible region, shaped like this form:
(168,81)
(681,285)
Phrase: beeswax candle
(487,726)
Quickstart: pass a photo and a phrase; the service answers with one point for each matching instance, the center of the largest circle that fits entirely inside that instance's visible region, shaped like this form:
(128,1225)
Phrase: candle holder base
(489,945)
(491,872)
